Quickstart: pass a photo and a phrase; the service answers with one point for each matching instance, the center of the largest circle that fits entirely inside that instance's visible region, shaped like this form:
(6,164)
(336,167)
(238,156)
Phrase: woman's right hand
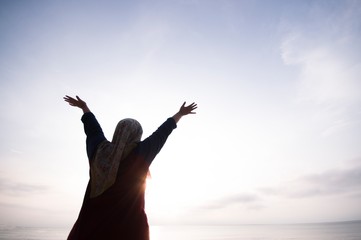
(184,110)
(77,103)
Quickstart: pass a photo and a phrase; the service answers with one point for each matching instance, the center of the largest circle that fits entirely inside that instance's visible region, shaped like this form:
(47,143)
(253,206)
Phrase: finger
(192,110)
(192,104)
(68,98)
(69,101)
(193,107)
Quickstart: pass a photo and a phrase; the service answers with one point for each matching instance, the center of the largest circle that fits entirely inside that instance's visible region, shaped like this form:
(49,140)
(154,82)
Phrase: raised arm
(184,110)
(151,146)
(92,128)
(77,103)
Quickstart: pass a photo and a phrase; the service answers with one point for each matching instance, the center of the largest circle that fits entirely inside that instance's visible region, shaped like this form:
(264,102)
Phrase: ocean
(319,231)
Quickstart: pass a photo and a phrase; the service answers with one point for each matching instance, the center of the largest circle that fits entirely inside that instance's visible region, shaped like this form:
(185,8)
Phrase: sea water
(32,233)
(324,231)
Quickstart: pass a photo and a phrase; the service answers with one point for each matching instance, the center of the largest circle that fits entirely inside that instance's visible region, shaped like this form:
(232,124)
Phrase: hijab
(104,167)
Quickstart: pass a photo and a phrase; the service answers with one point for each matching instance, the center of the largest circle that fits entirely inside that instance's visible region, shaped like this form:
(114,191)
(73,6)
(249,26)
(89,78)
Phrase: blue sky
(275,139)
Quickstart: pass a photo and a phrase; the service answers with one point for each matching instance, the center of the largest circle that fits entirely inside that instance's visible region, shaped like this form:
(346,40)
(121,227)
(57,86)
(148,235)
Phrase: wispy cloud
(327,54)
(332,182)
(19,206)
(13,188)
(336,182)
(248,200)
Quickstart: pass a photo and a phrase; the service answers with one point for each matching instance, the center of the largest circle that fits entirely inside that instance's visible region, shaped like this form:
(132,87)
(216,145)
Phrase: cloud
(341,182)
(23,214)
(327,55)
(333,182)
(329,67)
(19,207)
(325,49)
(249,200)
(12,188)
(327,77)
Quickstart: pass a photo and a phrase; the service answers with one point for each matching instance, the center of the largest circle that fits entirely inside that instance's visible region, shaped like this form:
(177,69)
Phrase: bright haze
(276,137)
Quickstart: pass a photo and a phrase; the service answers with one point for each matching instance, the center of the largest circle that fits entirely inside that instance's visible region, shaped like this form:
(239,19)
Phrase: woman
(113,205)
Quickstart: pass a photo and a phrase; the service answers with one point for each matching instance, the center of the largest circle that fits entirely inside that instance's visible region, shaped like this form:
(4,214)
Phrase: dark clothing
(118,213)
(93,132)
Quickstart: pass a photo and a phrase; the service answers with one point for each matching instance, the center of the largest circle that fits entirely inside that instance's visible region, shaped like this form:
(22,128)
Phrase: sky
(276,137)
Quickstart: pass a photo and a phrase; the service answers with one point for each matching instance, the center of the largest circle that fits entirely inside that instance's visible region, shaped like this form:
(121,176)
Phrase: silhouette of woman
(113,205)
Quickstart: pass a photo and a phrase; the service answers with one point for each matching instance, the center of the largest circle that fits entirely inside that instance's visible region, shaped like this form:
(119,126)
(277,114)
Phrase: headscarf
(104,167)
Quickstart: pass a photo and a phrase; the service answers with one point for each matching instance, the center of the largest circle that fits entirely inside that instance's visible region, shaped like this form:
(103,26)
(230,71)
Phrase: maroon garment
(118,213)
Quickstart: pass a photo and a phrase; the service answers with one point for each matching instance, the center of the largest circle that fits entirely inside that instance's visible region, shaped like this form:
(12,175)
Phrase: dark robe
(118,213)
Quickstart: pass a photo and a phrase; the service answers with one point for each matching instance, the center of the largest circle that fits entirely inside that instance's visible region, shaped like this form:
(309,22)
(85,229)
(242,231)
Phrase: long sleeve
(152,145)
(93,132)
